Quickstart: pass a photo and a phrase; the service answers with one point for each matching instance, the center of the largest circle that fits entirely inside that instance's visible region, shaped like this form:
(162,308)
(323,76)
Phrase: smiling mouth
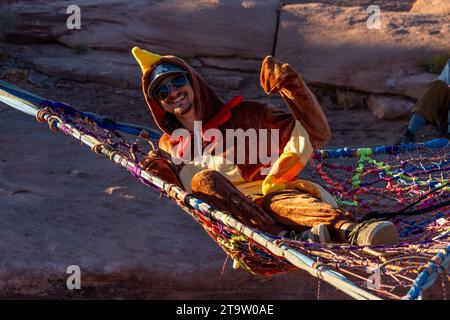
(179,99)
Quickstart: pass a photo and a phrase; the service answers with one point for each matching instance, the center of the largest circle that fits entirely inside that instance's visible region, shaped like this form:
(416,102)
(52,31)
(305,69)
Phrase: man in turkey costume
(278,202)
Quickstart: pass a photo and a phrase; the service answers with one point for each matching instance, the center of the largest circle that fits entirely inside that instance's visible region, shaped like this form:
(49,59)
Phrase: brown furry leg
(215,189)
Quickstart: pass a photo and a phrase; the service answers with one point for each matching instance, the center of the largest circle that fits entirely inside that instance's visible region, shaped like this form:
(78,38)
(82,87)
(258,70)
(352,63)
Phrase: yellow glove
(269,185)
(285,169)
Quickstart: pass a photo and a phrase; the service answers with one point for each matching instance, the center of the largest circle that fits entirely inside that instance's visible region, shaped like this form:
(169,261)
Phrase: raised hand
(273,73)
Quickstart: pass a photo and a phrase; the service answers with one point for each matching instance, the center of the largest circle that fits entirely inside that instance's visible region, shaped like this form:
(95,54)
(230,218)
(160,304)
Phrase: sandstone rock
(29,34)
(196,63)
(232,64)
(389,107)
(414,85)
(226,81)
(3,56)
(350,99)
(185,28)
(390,5)
(36,77)
(7,19)
(117,69)
(223,79)
(431,6)
(14,75)
(327,41)
(331,45)
(111,68)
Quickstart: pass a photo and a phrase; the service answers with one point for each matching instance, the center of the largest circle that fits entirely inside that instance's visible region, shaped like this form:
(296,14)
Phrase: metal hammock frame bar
(200,210)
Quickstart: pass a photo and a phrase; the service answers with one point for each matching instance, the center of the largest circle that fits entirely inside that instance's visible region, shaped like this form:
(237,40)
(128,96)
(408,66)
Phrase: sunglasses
(163,91)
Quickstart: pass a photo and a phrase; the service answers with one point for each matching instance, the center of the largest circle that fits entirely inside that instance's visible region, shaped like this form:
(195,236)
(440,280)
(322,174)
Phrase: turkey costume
(257,200)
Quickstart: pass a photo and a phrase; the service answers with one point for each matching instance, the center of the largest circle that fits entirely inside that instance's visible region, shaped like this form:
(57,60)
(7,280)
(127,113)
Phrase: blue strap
(104,122)
(20,93)
(346,152)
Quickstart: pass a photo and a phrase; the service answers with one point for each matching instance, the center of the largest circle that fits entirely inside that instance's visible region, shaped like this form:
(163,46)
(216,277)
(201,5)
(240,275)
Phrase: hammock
(406,184)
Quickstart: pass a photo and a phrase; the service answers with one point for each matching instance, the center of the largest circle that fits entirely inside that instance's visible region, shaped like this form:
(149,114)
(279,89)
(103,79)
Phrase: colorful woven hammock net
(394,181)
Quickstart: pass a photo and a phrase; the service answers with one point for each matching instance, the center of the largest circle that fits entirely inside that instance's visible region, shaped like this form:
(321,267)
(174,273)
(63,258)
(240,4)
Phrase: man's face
(175,94)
